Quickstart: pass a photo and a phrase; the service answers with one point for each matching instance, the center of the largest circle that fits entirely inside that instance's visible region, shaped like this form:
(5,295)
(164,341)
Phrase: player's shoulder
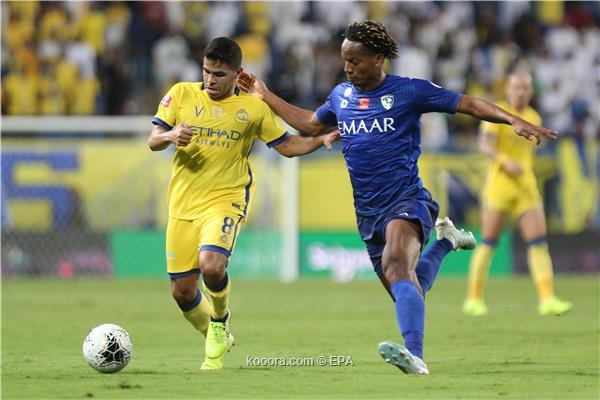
(503,104)
(248,98)
(252,103)
(534,115)
(410,85)
(343,89)
(406,80)
(400,80)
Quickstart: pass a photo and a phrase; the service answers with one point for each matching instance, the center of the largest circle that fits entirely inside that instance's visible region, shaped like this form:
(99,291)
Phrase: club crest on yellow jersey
(224,239)
(242,116)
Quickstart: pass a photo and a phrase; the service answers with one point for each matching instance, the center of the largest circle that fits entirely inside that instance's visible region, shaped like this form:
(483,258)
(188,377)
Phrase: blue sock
(430,262)
(410,313)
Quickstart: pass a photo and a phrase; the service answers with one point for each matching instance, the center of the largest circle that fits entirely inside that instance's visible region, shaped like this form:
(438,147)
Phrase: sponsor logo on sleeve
(166,101)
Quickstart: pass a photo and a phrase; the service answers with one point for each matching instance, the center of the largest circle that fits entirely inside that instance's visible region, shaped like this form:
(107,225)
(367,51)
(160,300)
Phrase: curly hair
(374,36)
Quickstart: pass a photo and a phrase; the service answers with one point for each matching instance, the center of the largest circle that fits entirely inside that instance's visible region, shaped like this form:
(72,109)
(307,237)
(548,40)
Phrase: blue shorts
(422,210)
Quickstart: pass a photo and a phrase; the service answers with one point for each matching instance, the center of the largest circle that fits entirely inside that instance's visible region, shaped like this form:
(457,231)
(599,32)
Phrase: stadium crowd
(115,58)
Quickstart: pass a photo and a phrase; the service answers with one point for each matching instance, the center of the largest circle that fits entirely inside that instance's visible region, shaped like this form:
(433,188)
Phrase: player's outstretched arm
(297,145)
(483,109)
(160,138)
(299,118)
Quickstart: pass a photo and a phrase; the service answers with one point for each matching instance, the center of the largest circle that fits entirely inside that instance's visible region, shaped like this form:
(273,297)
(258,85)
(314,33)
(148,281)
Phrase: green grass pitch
(510,354)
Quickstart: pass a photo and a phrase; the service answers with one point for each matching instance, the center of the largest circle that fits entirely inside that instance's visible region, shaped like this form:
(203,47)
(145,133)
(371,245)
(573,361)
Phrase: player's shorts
(422,210)
(512,201)
(216,230)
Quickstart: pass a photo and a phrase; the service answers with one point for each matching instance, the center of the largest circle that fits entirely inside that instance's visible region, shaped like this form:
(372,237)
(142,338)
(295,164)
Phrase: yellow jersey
(515,147)
(214,166)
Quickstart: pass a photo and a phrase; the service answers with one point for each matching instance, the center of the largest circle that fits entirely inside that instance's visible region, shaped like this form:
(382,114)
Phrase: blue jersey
(381,136)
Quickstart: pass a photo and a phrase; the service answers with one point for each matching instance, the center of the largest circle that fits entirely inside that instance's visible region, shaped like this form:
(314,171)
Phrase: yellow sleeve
(269,128)
(165,115)
(489,128)
(536,118)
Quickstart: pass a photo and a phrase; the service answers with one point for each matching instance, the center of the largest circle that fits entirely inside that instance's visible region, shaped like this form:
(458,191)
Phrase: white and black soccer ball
(107,348)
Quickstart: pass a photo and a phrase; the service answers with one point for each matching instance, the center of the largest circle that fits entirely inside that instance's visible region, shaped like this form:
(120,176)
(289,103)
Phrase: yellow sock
(219,300)
(478,271)
(540,267)
(199,315)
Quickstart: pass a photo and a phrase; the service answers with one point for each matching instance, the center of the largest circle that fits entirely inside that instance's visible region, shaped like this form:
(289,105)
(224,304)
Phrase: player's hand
(512,167)
(530,131)
(331,138)
(251,84)
(181,135)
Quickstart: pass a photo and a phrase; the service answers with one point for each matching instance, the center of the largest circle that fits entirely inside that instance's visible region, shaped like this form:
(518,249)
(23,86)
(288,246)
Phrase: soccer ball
(107,348)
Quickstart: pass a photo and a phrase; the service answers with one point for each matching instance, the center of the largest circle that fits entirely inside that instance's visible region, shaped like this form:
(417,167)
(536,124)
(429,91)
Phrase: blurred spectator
(414,60)
(170,57)
(109,57)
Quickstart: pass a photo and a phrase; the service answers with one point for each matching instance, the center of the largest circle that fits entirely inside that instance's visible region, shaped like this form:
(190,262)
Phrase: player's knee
(212,265)
(394,270)
(213,271)
(394,275)
(183,293)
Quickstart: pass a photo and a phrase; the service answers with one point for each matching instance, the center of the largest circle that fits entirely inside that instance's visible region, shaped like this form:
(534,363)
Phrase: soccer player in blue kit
(378,118)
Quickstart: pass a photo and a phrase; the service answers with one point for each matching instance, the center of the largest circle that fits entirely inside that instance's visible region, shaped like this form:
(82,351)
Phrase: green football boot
(219,340)
(554,306)
(474,308)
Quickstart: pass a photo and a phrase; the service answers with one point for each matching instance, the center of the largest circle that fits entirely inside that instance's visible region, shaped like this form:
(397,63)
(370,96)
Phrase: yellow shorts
(216,230)
(515,203)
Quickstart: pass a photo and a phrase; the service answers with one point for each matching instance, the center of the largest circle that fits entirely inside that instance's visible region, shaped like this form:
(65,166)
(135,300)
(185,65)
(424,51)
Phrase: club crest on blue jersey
(387,101)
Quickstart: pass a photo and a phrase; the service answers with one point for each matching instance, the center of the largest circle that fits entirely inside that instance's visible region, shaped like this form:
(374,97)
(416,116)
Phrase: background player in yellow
(511,190)
(213,125)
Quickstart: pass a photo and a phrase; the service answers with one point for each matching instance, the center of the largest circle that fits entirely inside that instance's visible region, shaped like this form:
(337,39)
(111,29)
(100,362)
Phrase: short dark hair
(224,50)
(374,36)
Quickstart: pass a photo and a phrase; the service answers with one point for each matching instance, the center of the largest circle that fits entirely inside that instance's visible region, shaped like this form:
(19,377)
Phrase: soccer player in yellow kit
(511,190)
(213,126)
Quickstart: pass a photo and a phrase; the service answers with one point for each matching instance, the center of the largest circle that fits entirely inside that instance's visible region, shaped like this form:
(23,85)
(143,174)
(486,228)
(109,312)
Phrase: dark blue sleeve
(325,113)
(430,97)
(160,122)
(280,139)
